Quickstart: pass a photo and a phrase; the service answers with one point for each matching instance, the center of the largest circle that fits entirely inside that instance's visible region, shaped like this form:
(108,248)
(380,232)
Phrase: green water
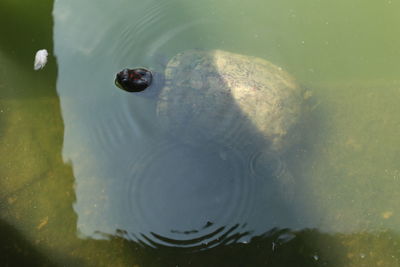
(345,53)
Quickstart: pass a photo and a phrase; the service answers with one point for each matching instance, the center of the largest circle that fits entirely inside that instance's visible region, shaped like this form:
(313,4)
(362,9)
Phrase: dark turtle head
(134,80)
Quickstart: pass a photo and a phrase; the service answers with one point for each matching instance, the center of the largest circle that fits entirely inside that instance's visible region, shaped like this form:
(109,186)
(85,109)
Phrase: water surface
(88,177)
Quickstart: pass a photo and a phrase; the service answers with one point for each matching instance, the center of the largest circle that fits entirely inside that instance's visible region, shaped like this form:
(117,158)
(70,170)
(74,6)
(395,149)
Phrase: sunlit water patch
(132,177)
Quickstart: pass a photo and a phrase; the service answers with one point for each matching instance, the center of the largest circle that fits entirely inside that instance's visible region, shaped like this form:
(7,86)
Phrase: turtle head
(134,80)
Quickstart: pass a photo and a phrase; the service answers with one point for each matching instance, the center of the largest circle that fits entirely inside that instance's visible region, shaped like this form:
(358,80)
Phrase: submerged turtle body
(229,97)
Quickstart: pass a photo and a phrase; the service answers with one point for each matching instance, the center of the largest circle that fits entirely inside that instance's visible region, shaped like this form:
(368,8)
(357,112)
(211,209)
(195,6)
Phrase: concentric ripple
(144,39)
(190,196)
(132,35)
(268,165)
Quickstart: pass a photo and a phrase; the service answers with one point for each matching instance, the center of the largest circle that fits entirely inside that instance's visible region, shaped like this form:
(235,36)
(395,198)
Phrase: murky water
(89,177)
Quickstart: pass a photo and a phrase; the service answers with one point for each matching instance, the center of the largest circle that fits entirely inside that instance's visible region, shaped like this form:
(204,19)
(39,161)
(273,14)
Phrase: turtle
(223,96)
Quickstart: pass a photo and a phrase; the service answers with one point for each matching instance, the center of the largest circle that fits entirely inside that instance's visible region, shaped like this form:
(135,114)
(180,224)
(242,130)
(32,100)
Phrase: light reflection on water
(131,177)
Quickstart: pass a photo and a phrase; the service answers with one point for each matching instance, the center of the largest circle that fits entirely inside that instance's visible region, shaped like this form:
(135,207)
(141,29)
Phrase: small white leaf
(40,59)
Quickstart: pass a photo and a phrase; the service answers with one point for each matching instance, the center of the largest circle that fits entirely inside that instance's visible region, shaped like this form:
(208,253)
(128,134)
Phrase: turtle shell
(229,97)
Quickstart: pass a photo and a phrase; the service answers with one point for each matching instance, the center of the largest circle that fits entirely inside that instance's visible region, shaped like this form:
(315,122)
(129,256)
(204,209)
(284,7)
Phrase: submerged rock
(230,98)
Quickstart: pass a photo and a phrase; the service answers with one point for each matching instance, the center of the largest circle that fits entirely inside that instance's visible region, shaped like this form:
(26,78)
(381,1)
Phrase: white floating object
(40,59)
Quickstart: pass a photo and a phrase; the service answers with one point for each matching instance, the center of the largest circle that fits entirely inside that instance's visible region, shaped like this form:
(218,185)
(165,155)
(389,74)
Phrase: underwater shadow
(15,250)
(276,247)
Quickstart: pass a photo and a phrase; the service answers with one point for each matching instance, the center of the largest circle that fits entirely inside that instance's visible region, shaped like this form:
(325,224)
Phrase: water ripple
(189,196)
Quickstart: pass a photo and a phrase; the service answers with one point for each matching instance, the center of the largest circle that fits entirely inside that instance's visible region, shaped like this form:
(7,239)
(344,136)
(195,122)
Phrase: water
(89,178)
